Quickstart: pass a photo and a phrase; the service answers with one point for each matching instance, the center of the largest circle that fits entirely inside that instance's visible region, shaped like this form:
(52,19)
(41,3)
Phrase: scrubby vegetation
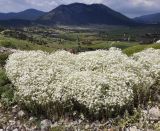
(6,89)
(131,50)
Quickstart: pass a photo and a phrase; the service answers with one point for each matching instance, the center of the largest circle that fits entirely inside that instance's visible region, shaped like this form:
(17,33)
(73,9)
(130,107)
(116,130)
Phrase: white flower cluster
(94,79)
(150,59)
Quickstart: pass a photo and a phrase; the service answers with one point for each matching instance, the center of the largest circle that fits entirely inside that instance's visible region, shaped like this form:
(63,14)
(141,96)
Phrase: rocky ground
(6,50)
(15,119)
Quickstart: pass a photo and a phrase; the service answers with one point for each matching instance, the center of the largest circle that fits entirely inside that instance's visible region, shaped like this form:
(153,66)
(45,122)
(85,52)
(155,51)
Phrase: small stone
(45,125)
(18,123)
(21,114)
(15,109)
(154,113)
(23,128)
(35,128)
(80,121)
(54,125)
(32,120)
(15,129)
(86,126)
(133,128)
(12,122)
(1,129)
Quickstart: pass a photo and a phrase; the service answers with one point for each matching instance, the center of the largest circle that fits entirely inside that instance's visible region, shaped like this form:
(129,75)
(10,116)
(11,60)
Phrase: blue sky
(130,8)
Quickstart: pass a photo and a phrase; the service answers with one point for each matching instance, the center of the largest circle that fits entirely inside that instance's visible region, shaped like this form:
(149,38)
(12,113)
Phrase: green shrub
(7,94)
(3,58)
(134,49)
(58,128)
(7,44)
(3,78)
(6,89)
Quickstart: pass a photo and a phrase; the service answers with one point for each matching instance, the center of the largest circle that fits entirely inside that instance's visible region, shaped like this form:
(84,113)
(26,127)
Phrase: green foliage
(22,44)
(6,89)
(7,96)
(131,50)
(7,44)
(3,78)
(58,128)
(129,119)
(3,58)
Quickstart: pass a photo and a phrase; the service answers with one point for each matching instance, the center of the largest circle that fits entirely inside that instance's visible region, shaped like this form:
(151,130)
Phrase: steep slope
(82,14)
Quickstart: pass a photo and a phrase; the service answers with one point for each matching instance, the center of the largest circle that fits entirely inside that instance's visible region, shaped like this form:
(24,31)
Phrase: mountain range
(149,19)
(75,14)
(29,14)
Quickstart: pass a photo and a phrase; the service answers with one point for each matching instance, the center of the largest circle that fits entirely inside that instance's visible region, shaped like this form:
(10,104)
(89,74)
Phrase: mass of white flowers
(150,58)
(95,79)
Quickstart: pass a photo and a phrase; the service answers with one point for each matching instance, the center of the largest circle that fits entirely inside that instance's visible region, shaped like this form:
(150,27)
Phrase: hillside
(82,14)
(149,19)
(29,14)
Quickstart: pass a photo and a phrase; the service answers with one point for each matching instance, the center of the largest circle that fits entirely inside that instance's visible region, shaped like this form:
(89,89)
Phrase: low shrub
(99,83)
(7,44)
(3,58)
(3,78)
(6,89)
(150,59)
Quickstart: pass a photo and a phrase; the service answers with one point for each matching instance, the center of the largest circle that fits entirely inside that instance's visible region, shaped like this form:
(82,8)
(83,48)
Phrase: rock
(87,127)
(133,128)
(1,129)
(54,125)
(45,125)
(15,109)
(23,128)
(154,113)
(21,114)
(7,50)
(144,116)
(32,120)
(16,129)
(12,122)
(18,123)
(35,128)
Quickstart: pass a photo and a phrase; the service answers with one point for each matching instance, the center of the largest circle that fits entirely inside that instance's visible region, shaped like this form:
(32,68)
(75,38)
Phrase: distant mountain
(82,14)
(29,14)
(149,19)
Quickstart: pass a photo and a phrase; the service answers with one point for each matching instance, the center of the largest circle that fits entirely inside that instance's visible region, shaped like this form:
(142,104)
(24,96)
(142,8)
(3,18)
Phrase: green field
(138,48)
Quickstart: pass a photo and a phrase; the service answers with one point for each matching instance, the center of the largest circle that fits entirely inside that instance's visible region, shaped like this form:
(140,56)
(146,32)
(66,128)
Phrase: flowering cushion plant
(94,79)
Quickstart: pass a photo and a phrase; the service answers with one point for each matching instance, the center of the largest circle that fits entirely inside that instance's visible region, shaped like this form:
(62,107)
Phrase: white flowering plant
(150,59)
(97,80)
